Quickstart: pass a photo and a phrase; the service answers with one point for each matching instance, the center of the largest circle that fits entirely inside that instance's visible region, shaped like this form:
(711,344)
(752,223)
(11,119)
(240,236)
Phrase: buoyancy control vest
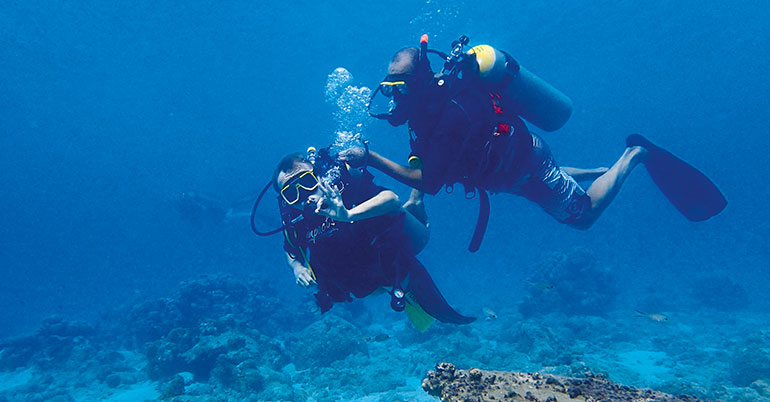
(512,91)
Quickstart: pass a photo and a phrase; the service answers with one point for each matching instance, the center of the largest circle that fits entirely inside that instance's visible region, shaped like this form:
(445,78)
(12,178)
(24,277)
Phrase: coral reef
(454,385)
(326,341)
(200,304)
(571,283)
(208,333)
(720,293)
(751,361)
(51,346)
(220,339)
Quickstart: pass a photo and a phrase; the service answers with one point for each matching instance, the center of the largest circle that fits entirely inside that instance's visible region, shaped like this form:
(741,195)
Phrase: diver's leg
(232,214)
(553,188)
(604,189)
(416,221)
(427,295)
(556,189)
(239,209)
(584,174)
(415,206)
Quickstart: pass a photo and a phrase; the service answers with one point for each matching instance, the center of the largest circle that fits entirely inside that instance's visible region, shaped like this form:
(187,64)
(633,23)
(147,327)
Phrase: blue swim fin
(689,190)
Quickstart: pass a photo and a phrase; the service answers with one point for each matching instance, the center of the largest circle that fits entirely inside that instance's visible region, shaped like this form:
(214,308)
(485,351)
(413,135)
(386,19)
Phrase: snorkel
(423,56)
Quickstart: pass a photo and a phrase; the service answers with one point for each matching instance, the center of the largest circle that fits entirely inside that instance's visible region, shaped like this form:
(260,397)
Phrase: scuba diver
(200,209)
(350,236)
(466,125)
(197,208)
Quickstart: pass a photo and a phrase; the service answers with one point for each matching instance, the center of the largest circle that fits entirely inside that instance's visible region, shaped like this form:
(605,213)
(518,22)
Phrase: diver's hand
(330,204)
(303,276)
(354,156)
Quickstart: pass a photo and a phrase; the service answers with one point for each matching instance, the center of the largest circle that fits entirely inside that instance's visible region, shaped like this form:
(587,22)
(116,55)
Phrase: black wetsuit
(344,255)
(467,135)
(358,258)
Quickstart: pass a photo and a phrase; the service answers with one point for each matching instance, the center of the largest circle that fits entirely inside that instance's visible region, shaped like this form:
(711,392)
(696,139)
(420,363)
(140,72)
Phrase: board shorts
(546,184)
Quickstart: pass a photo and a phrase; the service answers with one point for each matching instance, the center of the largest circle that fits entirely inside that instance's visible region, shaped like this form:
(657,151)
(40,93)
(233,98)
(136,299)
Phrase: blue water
(109,110)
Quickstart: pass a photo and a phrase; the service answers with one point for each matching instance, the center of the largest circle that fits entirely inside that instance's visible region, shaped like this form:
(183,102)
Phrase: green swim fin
(419,318)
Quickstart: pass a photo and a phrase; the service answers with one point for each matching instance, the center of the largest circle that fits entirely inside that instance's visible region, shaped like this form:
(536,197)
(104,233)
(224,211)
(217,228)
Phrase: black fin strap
(481,223)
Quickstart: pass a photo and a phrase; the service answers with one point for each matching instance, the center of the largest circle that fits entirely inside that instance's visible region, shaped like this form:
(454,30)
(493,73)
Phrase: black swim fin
(691,192)
(429,298)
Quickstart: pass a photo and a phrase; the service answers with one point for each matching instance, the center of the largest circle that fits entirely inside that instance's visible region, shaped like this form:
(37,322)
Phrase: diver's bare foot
(415,199)
(604,189)
(635,155)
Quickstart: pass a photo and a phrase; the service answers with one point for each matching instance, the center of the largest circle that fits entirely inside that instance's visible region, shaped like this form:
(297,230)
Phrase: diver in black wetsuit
(351,236)
(466,130)
(202,210)
(196,208)
(467,135)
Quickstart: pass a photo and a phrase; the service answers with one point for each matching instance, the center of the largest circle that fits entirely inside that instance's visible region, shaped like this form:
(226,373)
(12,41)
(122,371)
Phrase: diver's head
(405,61)
(295,181)
(400,88)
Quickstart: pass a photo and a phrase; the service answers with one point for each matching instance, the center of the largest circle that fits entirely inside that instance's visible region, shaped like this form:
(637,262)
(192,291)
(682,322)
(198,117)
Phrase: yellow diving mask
(305,181)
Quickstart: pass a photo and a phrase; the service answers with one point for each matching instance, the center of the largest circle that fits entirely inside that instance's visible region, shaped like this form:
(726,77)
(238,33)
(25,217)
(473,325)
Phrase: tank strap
(512,68)
(519,149)
(501,128)
(500,137)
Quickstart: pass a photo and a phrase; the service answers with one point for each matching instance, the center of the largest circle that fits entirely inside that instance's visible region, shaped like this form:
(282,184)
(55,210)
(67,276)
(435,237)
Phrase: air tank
(532,98)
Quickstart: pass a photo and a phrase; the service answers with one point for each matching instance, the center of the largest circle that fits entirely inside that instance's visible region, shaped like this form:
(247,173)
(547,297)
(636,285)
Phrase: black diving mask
(386,102)
(395,83)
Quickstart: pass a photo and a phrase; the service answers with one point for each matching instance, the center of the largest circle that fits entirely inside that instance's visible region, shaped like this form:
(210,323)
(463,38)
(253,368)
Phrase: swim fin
(689,190)
(419,318)
(429,298)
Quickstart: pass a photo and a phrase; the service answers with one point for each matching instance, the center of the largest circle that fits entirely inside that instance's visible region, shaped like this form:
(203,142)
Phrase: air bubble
(351,114)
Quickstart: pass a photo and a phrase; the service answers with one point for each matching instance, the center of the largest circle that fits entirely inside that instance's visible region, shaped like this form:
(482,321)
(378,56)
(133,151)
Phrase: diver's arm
(331,205)
(409,176)
(364,157)
(302,274)
(384,202)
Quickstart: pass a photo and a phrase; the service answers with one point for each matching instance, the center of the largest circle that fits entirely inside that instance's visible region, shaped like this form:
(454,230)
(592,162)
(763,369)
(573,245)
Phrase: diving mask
(386,102)
(395,83)
(304,182)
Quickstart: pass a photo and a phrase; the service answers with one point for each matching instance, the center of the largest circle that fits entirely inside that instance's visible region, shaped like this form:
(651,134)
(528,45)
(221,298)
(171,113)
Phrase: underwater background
(110,110)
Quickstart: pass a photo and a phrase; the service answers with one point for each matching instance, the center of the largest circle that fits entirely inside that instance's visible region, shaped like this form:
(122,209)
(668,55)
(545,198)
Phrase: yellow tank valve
(491,63)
